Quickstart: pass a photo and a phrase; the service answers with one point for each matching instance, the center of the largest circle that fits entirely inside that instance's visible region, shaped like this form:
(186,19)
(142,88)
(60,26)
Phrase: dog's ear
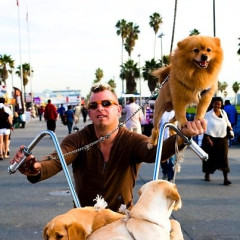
(217,41)
(172,193)
(45,236)
(76,231)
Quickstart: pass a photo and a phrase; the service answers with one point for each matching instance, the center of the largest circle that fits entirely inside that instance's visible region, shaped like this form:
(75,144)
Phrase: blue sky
(69,40)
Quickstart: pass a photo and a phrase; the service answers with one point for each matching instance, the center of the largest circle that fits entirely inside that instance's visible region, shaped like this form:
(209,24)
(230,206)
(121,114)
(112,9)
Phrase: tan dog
(149,217)
(193,71)
(78,223)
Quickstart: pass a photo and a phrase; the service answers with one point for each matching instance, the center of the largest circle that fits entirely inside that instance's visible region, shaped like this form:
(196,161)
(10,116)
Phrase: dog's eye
(59,236)
(196,50)
(209,49)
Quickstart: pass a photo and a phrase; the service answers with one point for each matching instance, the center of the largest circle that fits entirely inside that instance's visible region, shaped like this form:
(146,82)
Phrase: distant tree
(113,84)
(166,60)
(238,52)
(236,87)
(133,31)
(5,62)
(194,32)
(98,75)
(222,86)
(149,67)
(130,72)
(123,31)
(155,22)
(27,71)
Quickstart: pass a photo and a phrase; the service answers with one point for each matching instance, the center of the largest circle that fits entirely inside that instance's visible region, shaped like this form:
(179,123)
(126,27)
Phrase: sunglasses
(104,103)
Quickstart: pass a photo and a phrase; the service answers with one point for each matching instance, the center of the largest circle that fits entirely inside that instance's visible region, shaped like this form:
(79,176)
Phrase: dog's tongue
(203,64)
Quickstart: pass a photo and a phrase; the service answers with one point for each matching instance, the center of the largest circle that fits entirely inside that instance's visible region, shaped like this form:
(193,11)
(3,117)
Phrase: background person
(50,115)
(8,110)
(109,168)
(40,112)
(84,112)
(61,111)
(5,128)
(134,123)
(70,117)
(215,141)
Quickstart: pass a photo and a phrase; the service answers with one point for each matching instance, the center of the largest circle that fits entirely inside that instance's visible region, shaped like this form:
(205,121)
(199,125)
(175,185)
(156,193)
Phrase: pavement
(210,211)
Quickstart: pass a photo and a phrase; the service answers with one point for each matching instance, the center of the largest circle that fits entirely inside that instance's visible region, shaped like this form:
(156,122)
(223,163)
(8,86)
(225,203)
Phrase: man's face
(104,116)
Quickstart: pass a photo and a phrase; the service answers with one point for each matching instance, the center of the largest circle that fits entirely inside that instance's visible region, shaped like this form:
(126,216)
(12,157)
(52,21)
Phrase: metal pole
(140,82)
(214,20)
(189,142)
(20,55)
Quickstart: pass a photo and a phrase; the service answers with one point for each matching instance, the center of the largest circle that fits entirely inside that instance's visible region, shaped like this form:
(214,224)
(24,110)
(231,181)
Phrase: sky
(66,41)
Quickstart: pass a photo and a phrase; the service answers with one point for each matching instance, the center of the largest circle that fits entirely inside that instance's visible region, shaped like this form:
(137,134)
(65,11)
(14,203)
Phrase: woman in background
(215,141)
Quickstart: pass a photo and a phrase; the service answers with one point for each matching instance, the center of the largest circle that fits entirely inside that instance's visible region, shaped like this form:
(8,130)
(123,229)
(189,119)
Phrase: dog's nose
(204,57)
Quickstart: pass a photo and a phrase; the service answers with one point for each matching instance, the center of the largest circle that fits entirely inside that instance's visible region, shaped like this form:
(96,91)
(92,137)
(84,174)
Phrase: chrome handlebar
(189,142)
(27,151)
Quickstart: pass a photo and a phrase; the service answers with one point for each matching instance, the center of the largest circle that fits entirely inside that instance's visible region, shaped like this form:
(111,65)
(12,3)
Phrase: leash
(108,135)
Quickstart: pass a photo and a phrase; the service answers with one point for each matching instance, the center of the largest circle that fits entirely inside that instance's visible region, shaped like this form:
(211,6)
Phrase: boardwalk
(210,210)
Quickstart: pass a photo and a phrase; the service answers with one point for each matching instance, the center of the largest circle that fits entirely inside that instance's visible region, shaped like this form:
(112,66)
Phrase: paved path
(211,211)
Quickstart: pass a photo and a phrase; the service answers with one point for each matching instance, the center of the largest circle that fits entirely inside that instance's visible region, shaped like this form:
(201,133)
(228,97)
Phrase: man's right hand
(30,167)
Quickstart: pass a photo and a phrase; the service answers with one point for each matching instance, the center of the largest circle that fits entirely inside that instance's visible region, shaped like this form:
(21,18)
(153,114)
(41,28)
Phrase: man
(61,111)
(134,123)
(231,112)
(50,115)
(110,167)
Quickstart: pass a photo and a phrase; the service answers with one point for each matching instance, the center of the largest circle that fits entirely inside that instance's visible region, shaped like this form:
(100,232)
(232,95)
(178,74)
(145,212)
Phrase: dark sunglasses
(104,103)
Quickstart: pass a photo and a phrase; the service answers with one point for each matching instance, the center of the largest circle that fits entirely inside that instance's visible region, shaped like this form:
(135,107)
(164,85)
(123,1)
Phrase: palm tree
(238,52)
(194,32)
(149,67)
(236,87)
(166,60)
(174,23)
(4,61)
(130,72)
(222,86)
(155,21)
(133,31)
(27,71)
(122,30)
(113,84)
(98,75)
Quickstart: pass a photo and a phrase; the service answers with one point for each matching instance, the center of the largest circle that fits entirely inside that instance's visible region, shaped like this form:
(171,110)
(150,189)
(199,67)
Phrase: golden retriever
(149,217)
(192,73)
(78,223)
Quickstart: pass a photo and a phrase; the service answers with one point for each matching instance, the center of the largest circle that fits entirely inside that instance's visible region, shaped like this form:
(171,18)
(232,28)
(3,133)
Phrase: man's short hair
(99,87)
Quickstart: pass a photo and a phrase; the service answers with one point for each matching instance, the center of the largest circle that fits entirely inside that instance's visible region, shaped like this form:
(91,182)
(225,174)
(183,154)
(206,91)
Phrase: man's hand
(30,167)
(194,128)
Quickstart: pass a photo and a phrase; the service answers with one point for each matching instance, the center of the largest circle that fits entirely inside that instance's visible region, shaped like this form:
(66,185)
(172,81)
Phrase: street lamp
(140,85)
(161,36)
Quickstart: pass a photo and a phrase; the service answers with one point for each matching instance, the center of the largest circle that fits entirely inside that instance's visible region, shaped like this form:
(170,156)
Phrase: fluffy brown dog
(193,71)
(149,217)
(78,223)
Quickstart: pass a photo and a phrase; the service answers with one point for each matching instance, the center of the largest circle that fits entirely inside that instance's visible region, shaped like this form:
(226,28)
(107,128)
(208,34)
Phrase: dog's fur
(149,217)
(78,223)
(193,70)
